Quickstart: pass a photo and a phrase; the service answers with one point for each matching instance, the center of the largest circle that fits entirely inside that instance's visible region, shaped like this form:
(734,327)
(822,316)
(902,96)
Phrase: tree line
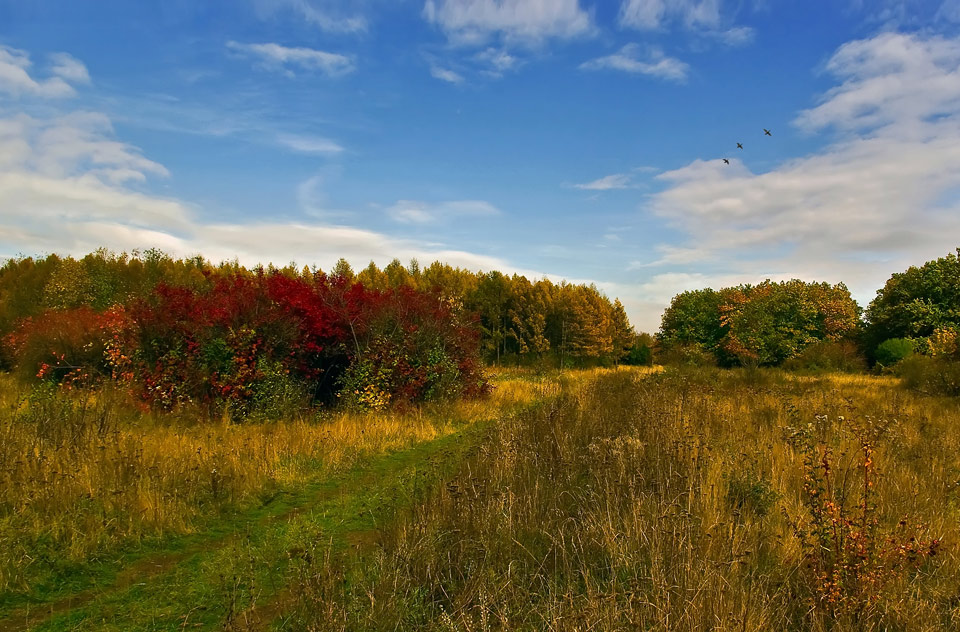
(798,323)
(186,331)
(518,320)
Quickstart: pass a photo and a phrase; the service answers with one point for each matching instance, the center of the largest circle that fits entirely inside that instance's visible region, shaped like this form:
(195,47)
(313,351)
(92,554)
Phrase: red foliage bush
(67,346)
(184,345)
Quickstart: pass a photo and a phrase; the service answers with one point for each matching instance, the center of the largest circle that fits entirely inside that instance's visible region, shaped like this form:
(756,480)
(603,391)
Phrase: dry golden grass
(667,502)
(81,474)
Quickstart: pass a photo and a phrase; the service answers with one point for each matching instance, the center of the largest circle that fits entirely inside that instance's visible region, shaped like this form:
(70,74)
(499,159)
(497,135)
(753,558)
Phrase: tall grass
(679,501)
(84,474)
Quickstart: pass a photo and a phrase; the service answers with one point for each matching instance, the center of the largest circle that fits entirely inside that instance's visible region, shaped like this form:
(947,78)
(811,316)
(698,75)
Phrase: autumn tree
(762,324)
(622,332)
(528,318)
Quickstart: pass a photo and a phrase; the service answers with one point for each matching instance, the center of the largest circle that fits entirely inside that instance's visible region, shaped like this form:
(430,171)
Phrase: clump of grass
(750,492)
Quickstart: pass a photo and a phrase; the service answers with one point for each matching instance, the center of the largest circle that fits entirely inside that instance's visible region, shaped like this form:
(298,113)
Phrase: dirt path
(239,573)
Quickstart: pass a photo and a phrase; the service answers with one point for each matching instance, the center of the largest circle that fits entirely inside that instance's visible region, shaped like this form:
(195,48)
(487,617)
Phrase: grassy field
(681,501)
(601,500)
(95,495)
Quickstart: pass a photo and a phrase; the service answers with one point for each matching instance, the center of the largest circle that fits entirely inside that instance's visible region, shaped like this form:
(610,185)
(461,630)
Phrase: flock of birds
(766,132)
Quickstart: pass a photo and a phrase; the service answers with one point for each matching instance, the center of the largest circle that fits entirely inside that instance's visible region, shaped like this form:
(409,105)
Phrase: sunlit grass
(671,502)
(85,473)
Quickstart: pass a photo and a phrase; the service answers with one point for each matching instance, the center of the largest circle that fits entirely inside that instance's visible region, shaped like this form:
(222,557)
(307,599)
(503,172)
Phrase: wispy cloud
(320,14)
(607,183)
(309,144)
(704,17)
(653,14)
(445,74)
(497,61)
(414,212)
(285,59)
(68,185)
(476,21)
(884,191)
(653,64)
(68,68)
(16,80)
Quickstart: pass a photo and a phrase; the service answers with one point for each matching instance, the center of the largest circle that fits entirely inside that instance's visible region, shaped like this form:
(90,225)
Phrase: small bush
(932,376)
(640,355)
(751,492)
(828,355)
(892,351)
(688,356)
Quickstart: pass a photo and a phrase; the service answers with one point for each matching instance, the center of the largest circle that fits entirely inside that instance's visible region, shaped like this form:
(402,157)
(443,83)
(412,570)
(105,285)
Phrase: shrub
(256,345)
(640,354)
(751,492)
(851,552)
(687,355)
(828,355)
(933,376)
(892,351)
(65,346)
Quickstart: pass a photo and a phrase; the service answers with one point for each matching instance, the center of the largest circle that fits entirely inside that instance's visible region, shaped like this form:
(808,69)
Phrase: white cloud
(15,79)
(445,74)
(68,170)
(652,14)
(656,64)
(57,196)
(319,14)
(271,56)
(73,144)
(499,60)
(309,144)
(413,212)
(606,183)
(735,36)
(495,62)
(529,21)
(68,68)
(883,196)
(891,80)
(704,17)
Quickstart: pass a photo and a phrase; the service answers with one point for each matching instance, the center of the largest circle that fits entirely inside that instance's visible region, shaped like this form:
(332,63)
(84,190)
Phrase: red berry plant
(851,552)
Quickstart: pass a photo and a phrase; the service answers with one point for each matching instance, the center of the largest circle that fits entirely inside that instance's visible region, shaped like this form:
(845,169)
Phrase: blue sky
(573,139)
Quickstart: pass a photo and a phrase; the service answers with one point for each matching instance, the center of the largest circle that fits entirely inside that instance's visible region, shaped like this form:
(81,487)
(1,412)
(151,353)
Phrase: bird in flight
(739,146)
(725,161)
(767,132)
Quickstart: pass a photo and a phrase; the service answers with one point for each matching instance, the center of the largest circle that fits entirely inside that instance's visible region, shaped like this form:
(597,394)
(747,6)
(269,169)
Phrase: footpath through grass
(216,578)
(232,570)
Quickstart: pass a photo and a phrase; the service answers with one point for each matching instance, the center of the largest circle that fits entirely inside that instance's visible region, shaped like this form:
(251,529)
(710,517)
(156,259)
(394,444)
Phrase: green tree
(343,270)
(760,324)
(916,302)
(693,318)
(397,275)
(622,332)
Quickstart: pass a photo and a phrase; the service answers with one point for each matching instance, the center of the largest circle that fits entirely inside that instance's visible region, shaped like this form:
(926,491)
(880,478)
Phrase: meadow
(684,499)
(92,484)
(703,500)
